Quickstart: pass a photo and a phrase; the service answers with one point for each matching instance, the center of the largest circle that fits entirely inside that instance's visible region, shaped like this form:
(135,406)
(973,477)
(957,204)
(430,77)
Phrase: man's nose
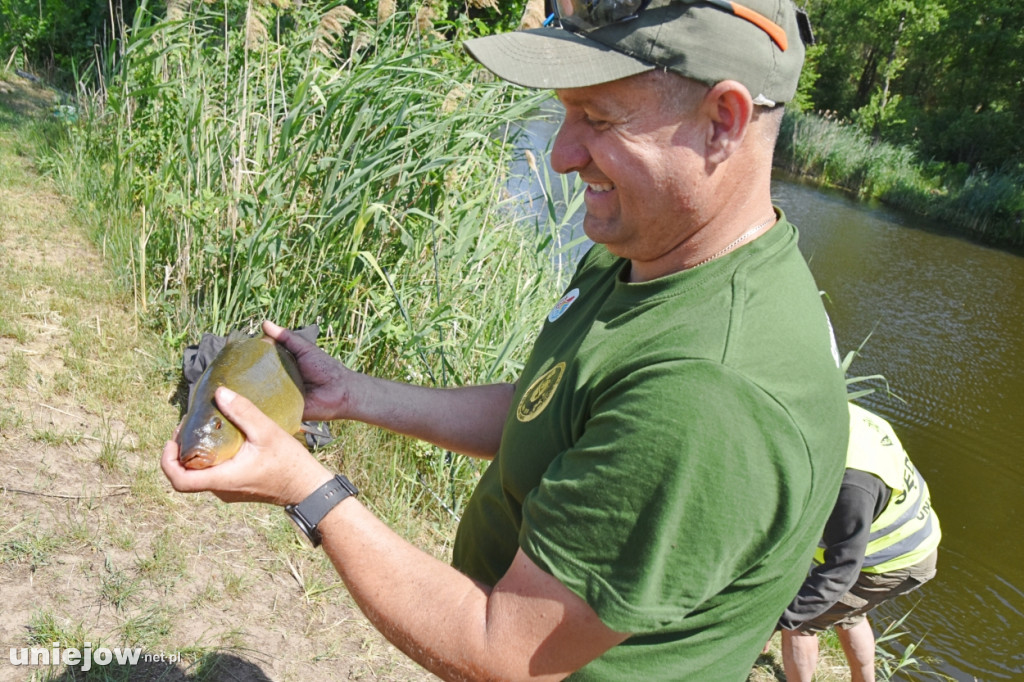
(569,154)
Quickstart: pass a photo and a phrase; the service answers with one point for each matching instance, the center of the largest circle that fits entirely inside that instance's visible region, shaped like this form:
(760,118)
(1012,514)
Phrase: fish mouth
(196,458)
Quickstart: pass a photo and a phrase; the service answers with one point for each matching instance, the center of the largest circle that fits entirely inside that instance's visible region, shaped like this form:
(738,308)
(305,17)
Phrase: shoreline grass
(986,206)
(356,182)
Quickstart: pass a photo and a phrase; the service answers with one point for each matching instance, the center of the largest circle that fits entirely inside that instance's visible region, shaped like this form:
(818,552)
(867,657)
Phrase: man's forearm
(390,579)
(467,420)
(528,626)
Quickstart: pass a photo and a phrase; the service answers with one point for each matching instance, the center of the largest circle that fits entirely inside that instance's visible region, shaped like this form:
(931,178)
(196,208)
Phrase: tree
(55,37)
(971,84)
(944,76)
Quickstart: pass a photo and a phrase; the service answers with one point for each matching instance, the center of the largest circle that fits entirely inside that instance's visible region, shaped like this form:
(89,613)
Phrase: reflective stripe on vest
(907,530)
(909,539)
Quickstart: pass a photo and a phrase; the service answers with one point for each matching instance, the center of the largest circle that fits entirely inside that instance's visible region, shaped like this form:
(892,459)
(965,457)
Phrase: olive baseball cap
(759,43)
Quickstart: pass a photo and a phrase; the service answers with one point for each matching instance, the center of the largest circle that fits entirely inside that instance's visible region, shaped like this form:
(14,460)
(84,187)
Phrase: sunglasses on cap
(581,16)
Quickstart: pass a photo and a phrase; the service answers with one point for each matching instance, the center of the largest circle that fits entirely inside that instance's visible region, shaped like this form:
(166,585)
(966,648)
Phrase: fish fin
(237,335)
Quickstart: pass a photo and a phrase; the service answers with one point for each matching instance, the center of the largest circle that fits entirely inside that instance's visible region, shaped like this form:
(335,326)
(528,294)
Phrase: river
(946,325)
(943,321)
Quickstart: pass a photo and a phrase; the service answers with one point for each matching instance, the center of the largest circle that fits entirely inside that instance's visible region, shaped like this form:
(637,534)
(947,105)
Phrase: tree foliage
(57,38)
(943,76)
(61,39)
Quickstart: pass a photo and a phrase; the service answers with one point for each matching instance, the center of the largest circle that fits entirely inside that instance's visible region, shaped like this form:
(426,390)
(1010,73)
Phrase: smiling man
(663,468)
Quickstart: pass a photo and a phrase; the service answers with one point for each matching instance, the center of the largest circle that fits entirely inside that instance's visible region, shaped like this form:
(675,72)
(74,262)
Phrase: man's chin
(601,231)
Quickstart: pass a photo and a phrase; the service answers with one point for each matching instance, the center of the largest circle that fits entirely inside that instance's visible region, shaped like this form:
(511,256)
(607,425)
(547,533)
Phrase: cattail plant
(385,10)
(332,28)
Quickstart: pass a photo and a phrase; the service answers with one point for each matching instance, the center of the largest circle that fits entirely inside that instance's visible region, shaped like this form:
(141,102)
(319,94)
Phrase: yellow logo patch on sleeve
(539,394)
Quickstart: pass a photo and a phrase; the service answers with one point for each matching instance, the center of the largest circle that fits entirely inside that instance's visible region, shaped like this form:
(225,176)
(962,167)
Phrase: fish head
(207,438)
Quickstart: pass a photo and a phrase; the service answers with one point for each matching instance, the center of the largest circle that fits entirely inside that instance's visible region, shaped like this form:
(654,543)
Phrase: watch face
(301,526)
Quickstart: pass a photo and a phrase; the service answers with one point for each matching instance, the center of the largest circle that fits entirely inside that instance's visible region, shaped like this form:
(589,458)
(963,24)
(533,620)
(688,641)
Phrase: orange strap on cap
(776,32)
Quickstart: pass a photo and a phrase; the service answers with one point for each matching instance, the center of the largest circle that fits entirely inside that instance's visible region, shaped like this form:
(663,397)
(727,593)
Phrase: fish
(258,368)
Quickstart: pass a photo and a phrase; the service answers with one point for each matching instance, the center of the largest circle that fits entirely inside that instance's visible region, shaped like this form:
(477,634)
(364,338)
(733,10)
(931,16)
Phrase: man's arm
(846,536)
(468,420)
(528,626)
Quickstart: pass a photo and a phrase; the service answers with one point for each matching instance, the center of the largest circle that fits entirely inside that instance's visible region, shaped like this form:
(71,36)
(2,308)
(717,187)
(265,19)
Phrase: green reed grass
(986,205)
(357,184)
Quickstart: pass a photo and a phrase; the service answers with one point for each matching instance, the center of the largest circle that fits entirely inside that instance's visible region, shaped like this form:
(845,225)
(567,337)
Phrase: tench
(259,369)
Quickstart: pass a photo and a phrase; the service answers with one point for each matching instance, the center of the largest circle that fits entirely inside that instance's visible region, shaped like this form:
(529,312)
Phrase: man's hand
(326,379)
(271,465)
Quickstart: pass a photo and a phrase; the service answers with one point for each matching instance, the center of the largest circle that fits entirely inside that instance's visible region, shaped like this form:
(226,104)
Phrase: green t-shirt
(672,452)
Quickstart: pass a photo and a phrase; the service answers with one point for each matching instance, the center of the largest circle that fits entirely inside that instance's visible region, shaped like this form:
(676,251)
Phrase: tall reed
(353,178)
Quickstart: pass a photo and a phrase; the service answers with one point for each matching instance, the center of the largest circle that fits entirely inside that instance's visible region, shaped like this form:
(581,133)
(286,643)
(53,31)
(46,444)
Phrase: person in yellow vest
(880,542)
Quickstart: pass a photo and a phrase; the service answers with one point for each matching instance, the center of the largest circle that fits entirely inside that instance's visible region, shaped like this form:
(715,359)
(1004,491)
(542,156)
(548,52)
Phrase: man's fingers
(181,478)
(169,462)
(243,414)
(293,342)
(274,330)
(216,478)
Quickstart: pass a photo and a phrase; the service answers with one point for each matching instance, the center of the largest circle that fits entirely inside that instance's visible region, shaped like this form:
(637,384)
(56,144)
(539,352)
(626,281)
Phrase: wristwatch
(308,514)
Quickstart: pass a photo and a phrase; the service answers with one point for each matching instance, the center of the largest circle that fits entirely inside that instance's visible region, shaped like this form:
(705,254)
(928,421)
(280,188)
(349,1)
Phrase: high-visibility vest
(907,530)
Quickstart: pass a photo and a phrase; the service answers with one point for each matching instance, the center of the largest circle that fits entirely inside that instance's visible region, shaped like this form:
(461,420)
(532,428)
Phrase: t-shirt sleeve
(684,477)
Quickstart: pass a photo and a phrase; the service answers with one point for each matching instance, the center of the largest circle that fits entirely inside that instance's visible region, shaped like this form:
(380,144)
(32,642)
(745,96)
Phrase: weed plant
(345,173)
(986,205)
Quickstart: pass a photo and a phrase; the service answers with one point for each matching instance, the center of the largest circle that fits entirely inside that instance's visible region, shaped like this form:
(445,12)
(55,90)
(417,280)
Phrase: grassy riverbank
(986,206)
(94,545)
(336,172)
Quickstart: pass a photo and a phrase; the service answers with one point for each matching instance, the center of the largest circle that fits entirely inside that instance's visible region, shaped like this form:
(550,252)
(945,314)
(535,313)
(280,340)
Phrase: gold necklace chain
(739,240)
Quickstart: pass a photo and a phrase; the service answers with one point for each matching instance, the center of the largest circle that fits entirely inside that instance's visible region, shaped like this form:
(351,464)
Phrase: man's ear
(730,108)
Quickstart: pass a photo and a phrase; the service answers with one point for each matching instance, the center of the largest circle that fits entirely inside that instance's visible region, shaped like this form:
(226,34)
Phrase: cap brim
(552,58)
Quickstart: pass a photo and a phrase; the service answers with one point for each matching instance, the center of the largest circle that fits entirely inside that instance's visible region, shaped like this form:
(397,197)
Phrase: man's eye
(597,123)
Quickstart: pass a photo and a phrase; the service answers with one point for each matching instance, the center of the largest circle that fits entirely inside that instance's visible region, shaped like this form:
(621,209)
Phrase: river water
(946,326)
(943,321)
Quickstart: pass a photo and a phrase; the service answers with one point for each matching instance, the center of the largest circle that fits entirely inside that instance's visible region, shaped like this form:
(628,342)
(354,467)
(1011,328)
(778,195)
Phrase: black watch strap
(308,514)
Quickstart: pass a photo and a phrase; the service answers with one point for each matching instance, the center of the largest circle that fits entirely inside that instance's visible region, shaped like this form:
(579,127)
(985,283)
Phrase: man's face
(642,161)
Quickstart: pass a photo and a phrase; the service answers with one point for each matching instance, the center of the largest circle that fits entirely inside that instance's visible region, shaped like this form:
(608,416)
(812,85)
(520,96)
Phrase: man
(666,462)
(879,543)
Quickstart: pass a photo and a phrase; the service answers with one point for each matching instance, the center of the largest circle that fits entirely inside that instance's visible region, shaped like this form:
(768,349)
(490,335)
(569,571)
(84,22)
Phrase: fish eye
(217,423)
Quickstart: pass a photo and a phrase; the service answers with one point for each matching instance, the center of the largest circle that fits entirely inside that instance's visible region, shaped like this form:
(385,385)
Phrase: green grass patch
(165,561)
(119,589)
(9,328)
(11,419)
(17,370)
(20,544)
(45,628)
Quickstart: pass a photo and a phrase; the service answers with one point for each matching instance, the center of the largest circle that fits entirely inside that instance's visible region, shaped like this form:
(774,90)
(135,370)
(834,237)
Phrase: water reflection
(555,202)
